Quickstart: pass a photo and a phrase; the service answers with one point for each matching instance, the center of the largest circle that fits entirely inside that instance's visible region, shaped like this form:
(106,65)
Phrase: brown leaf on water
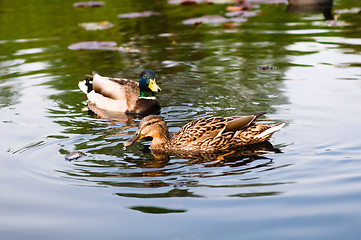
(228,26)
(234,8)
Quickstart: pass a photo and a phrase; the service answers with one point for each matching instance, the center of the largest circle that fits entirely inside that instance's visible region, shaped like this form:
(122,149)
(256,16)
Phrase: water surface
(308,188)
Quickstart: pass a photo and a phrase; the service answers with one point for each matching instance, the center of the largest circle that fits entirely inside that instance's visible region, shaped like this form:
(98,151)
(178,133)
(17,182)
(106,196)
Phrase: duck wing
(212,132)
(120,93)
(115,88)
(239,123)
(200,129)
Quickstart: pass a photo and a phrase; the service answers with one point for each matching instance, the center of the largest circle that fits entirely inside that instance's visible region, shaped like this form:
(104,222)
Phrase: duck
(206,134)
(123,95)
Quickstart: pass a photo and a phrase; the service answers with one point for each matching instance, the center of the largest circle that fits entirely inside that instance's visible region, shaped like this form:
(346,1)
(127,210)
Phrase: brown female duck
(204,134)
(122,95)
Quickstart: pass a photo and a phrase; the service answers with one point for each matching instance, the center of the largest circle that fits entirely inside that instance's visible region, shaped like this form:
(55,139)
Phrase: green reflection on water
(156,210)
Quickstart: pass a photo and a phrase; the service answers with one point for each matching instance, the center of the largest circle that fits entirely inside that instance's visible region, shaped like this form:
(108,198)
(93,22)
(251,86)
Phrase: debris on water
(102,45)
(73,156)
(93,26)
(266,67)
(178,184)
(138,14)
(88,4)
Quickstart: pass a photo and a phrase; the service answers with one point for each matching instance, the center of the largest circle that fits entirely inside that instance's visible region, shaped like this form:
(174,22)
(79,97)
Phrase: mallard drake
(205,134)
(123,95)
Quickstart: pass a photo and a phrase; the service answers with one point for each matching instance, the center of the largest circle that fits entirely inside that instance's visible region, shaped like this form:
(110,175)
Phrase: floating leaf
(92,26)
(73,156)
(213,19)
(220,1)
(228,26)
(237,19)
(93,45)
(242,13)
(276,2)
(138,14)
(195,2)
(100,45)
(207,19)
(234,8)
(88,4)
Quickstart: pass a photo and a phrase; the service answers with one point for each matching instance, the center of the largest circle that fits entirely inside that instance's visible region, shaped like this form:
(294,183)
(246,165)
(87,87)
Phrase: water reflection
(156,210)
(118,117)
(16,63)
(203,70)
(171,176)
(251,152)
(324,6)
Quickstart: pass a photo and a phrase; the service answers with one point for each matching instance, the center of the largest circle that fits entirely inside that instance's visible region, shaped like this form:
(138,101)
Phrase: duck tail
(86,86)
(271,130)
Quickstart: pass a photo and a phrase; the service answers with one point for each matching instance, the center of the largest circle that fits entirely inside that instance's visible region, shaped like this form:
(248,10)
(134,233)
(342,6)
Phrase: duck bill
(153,86)
(136,137)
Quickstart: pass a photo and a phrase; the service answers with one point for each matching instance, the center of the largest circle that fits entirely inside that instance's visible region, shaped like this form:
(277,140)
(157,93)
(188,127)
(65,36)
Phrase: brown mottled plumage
(204,134)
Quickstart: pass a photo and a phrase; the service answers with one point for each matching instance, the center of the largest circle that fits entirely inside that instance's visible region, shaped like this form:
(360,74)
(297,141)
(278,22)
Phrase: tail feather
(271,130)
(83,87)
(86,86)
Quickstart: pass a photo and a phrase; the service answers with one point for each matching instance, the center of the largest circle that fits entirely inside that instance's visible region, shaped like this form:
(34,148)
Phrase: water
(310,188)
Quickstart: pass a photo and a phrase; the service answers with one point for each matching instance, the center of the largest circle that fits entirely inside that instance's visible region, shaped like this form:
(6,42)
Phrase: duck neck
(146,94)
(160,140)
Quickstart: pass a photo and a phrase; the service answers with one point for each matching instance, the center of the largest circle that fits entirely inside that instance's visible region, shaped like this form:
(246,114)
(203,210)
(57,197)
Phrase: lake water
(310,188)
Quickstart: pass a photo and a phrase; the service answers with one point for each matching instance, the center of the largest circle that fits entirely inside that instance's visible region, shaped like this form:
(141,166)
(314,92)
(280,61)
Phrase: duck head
(151,126)
(148,84)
